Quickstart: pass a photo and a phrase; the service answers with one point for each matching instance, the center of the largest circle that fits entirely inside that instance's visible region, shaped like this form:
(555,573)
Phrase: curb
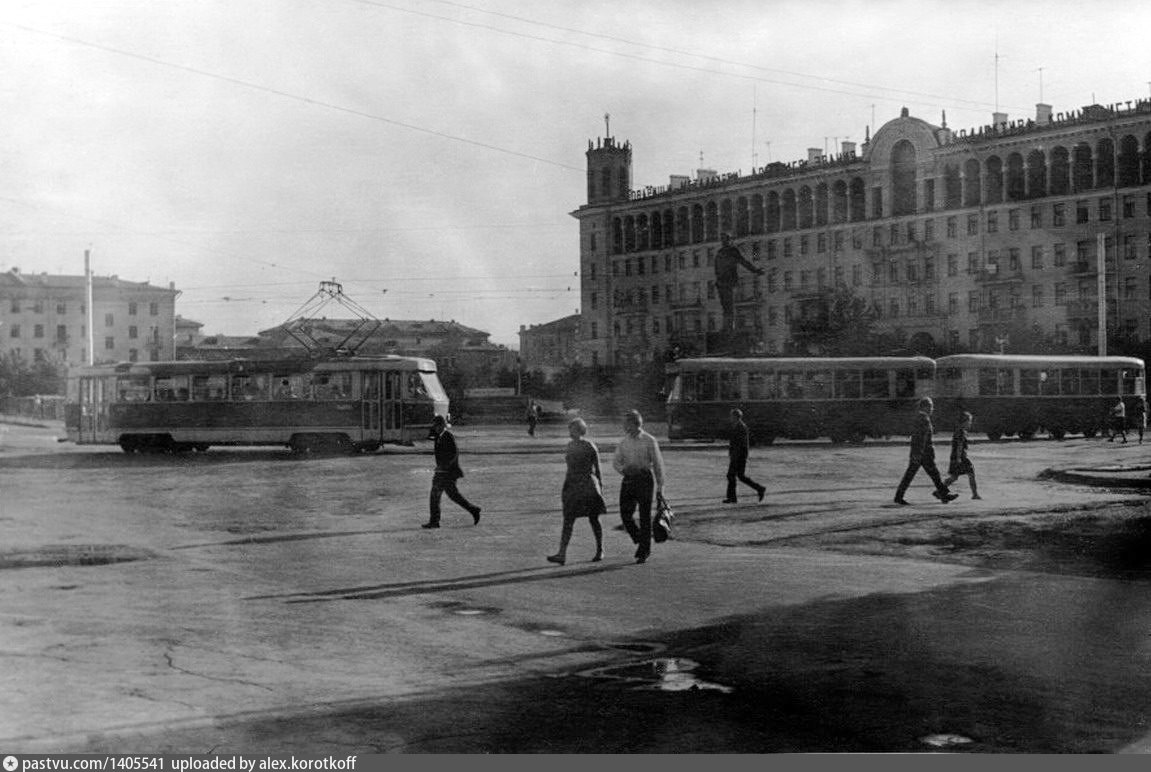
(1099,478)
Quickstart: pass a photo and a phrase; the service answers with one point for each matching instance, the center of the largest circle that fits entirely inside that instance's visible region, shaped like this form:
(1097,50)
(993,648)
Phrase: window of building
(772,251)
(804,279)
(972,225)
(787,281)
(993,222)
(1082,211)
(1104,209)
(929,230)
(615,268)
(61,333)
(1036,217)
(38,306)
(594,300)
(837,240)
(876,203)
(133,355)
(839,276)
(1036,295)
(640,266)
(821,243)
(1037,256)
(952,303)
(655,294)
(1060,293)
(1058,215)
(594,330)
(893,234)
(695,259)
(787,251)
(109,342)
(133,332)
(893,308)
(893,272)
(37,331)
(913,305)
(1130,288)
(973,301)
(627,267)
(953,264)
(1060,257)
(857,239)
(1013,261)
(804,245)
(591,271)
(1012,219)
(876,237)
(973,262)
(929,269)
(1128,206)
(132,308)
(912,271)
(109,320)
(1129,246)
(952,227)
(14,331)
(856,275)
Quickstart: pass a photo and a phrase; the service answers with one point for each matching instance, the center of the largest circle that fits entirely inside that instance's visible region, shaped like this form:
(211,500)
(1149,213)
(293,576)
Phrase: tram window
(415,386)
(875,384)
(250,387)
(134,388)
(1029,382)
(789,385)
(172,388)
(761,385)
(288,387)
(1131,379)
(1109,381)
(687,384)
(817,384)
(847,384)
(904,383)
(728,386)
(705,386)
(1069,381)
(209,388)
(329,386)
(987,382)
(1090,381)
(371,383)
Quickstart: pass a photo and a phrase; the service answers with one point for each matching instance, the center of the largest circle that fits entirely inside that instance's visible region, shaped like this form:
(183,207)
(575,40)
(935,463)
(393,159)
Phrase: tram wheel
(994,436)
(857,437)
(1057,433)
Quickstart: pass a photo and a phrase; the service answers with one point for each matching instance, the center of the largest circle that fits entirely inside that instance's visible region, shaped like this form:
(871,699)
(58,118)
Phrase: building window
(1036,217)
(592,242)
(594,330)
(639,267)
(993,222)
(1058,215)
(772,250)
(1082,214)
(15,305)
(787,281)
(973,301)
(1129,247)
(877,237)
(912,271)
(133,332)
(821,243)
(893,308)
(787,252)
(856,275)
(133,355)
(594,300)
(953,264)
(14,331)
(37,331)
(61,309)
(952,303)
(837,240)
(1060,258)
(929,230)
(973,262)
(61,333)
(1036,295)
(857,238)
(1013,261)
(804,245)
(952,227)
(109,342)
(132,308)
(1104,209)
(1060,293)
(1012,219)
(38,306)
(627,267)
(876,203)
(1130,288)
(929,268)
(109,320)
(1128,206)
(1037,256)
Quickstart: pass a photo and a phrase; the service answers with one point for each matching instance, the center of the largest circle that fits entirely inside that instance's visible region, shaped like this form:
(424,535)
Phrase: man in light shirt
(638,459)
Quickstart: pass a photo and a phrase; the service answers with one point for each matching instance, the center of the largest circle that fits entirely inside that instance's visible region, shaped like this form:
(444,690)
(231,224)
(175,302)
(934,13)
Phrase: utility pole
(1101,289)
(91,311)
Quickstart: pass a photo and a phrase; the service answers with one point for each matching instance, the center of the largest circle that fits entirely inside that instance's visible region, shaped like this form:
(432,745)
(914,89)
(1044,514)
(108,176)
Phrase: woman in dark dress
(960,463)
(582,491)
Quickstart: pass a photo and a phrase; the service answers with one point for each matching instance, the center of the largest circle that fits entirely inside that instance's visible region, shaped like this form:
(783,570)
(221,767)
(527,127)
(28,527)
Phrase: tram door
(93,410)
(393,403)
(370,406)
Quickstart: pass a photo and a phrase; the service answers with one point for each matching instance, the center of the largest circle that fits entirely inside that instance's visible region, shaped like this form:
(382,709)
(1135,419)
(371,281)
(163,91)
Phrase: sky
(427,154)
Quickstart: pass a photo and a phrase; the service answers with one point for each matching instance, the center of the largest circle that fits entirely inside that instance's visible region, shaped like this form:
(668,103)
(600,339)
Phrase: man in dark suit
(923,455)
(738,449)
(447,472)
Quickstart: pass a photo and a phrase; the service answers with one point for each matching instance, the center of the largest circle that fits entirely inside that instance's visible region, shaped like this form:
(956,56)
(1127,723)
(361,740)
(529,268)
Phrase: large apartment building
(45,317)
(956,238)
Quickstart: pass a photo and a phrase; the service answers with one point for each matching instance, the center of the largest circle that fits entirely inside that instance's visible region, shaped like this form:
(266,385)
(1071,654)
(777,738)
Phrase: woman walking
(582,492)
(960,463)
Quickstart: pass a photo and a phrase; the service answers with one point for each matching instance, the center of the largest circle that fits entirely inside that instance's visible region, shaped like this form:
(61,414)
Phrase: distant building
(45,317)
(550,347)
(187,332)
(955,238)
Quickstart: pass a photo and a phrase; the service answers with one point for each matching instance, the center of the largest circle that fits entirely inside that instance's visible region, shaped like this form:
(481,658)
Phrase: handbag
(661,526)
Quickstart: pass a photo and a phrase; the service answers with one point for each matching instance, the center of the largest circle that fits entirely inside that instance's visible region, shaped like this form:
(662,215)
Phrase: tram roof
(1035,360)
(240,365)
(800,363)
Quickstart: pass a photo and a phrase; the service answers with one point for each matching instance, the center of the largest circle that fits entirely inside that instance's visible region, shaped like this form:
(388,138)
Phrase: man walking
(738,449)
(638,459)
(447,472)
(923,455)
(727,262)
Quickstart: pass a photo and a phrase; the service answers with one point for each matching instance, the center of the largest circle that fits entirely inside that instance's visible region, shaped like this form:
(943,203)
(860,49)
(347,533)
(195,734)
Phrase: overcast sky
(427,154)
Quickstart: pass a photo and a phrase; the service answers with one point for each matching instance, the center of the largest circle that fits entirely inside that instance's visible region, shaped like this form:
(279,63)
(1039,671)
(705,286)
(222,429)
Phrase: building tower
(608,171)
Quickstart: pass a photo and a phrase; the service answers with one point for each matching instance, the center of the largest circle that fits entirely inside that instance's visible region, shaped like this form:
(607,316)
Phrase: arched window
(711,222)
(696,223)
(629,234)
(1104,163)
(993,184)
(788,223)
(1082,175)
(952,187)
(858,201)
(682,226)
(741,216)
(972,183)
(1060,183)
(805,207)
(1016,185)
(903,178)
(1036,174)
(642,239)
(757,213)
(616,236)
(725,218)
(774,212)
(839,202)
(1128,169)
(821,204)
(656,231)
(1147,159)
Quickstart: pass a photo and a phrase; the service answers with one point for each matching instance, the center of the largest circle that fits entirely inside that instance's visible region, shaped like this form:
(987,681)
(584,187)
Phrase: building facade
(957,239)
(550,347)
(45,317)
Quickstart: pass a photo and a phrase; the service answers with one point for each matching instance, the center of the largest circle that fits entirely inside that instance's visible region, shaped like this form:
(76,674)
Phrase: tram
(344,403)
(843,398)
(1026,394)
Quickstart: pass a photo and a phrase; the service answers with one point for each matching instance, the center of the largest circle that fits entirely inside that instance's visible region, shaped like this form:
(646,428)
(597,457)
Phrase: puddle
(72,555)
(553,633)
(663,674)
(945,740)
(470,612)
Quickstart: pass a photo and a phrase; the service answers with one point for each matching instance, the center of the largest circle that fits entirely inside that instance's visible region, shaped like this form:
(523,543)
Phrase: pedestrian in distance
(533,418)
(638,459)
(1118,420)
(738,449)
(728,259)
(582,492)
(960,463)
(1139,415)
(923,455)
(447,472)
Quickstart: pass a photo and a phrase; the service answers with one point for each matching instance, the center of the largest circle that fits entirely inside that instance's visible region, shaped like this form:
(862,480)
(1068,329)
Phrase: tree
(19,378)
(836,323)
